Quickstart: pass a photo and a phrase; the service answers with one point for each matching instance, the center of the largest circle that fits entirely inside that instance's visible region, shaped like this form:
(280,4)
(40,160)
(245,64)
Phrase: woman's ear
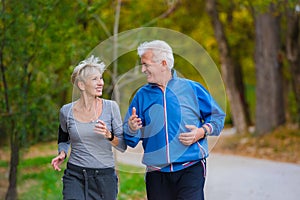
(81,85)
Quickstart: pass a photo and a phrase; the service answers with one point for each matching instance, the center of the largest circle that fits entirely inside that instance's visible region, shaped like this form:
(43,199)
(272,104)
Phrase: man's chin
(150,80)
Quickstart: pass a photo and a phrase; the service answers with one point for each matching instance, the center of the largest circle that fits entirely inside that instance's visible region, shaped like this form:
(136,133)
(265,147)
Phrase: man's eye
(146,65)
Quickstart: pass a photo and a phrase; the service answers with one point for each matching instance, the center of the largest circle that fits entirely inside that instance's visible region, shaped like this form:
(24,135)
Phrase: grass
(132,185)
(38,180)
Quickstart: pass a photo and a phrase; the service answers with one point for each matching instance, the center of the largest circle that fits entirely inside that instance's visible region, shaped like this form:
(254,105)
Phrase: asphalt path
(231,177)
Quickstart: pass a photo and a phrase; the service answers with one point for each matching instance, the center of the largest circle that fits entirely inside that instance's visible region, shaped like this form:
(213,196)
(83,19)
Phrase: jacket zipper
(166,127)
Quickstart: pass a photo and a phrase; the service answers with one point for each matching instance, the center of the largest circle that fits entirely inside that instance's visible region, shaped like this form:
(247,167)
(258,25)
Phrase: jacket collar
(174,73)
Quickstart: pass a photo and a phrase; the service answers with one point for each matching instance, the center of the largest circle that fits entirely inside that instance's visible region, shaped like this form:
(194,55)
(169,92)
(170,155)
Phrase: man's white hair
(160,49)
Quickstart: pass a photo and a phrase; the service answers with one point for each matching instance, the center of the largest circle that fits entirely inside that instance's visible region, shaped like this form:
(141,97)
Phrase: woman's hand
(58,160)
(100,128)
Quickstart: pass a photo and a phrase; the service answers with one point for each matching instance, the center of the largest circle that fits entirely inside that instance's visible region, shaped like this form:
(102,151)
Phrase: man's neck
(163,84)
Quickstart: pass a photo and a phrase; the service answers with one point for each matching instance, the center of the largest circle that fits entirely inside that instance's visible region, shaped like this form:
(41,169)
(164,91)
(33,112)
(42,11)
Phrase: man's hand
(134,122)
(191,137)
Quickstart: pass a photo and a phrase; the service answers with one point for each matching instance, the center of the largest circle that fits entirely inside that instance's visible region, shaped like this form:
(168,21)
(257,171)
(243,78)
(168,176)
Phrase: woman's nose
(101,82)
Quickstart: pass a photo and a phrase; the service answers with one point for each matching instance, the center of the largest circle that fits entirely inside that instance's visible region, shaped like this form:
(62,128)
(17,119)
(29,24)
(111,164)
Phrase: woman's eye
(97,78)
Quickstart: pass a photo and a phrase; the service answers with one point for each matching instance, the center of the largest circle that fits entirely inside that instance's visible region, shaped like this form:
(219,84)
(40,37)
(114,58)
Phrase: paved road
(240,178)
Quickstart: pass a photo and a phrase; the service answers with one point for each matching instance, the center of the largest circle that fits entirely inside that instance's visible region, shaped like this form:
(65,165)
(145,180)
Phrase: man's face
(153,70)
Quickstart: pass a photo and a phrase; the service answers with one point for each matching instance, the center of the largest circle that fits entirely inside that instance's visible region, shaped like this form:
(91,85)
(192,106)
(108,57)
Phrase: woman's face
(93,84)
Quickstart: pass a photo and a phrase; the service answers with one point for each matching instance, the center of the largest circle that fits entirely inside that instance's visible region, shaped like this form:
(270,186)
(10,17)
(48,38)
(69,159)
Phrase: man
(172,117)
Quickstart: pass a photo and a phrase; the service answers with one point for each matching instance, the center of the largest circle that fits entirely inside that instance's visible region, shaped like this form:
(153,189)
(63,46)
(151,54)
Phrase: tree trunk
(11,193)
(116,92)
(270,112)
(228,68)
(241,88)
(293,53)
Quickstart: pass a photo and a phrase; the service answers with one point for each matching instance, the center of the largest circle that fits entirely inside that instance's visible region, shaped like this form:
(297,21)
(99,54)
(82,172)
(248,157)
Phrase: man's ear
(81,85)
(164,64)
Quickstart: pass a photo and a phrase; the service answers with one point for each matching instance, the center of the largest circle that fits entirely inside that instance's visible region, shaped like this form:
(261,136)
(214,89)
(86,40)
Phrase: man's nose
(143,68)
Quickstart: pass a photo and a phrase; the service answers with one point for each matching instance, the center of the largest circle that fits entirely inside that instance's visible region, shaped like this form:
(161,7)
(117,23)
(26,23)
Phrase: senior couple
(172,117)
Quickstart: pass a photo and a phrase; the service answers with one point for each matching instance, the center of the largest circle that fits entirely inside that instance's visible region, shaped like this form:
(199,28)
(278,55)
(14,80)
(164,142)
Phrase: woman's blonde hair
(86,68)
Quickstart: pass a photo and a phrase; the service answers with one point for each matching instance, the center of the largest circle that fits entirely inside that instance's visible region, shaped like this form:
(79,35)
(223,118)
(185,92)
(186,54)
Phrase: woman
(91,125)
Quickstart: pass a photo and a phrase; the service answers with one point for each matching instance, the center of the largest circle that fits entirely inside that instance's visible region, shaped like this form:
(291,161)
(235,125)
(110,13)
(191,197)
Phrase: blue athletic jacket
(164,116)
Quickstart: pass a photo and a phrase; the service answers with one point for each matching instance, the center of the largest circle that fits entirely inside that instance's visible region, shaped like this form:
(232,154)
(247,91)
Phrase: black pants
(186,184)
(87,184)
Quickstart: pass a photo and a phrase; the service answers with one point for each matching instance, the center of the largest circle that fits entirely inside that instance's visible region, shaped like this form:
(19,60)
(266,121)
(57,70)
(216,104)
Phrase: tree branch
(165,14)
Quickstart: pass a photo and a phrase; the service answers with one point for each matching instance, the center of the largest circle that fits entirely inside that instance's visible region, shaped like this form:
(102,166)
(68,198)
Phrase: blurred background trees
(254,43)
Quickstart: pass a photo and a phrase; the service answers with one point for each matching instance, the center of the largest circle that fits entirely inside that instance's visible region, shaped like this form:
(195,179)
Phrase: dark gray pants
(87,184)
(186,184)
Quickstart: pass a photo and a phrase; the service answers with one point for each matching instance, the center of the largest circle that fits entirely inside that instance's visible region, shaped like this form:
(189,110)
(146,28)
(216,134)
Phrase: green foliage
(250,95)
(3,163)
(44,40)
(41,41)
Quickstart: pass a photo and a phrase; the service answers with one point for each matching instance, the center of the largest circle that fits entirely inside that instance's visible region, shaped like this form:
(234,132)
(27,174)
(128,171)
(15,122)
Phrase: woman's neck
(87,103)
(88,110)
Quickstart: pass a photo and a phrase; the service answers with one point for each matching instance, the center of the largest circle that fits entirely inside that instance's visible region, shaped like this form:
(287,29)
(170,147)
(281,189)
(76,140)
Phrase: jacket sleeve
(210,111)
(131,137)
